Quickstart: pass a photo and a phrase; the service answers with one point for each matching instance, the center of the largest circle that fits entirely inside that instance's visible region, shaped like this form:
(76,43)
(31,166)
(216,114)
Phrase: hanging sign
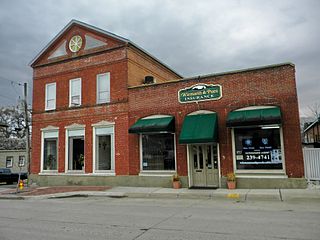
(200,92)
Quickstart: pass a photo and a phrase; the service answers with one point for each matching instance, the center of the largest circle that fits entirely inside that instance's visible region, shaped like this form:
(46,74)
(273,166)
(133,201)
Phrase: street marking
(233,195)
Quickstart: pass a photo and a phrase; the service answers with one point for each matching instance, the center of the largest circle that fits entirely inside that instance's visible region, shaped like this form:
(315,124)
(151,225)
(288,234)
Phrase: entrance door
(204,165)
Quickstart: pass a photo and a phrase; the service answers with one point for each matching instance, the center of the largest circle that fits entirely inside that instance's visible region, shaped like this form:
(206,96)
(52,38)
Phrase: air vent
(148,80)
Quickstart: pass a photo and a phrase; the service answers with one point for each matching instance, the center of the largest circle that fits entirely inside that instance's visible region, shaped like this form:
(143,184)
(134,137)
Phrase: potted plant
(49,162)
(176,181)
(231,180)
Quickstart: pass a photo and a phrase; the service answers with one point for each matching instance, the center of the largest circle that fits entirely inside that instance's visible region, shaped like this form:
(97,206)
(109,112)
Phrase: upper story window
(50,103)
(75,92)
(103,88)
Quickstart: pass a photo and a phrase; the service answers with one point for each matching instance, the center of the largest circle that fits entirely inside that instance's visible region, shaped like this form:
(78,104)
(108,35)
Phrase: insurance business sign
(200,92)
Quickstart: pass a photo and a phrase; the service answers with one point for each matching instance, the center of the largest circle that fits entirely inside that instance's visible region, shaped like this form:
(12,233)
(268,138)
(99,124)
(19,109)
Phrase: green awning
(254,117)
(153,125)
(200,128)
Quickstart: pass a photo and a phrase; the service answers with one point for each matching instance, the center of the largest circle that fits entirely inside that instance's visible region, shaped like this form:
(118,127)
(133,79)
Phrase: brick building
(105,111)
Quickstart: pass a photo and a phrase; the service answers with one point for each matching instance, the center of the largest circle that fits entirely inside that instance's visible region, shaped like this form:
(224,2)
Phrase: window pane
(51,91)
(50,154)
(103,82)
(75,100)
(258,148)
(103,97)
(76,153)
(51,103)
(103,151)
(103,88)
(75,87)
(50,96)
(158,152)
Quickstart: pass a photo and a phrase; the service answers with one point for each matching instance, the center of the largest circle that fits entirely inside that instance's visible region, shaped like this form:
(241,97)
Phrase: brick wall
(140,65)
(270,86)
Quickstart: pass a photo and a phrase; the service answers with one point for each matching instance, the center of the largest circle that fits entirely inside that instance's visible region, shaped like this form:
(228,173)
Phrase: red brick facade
(132,100)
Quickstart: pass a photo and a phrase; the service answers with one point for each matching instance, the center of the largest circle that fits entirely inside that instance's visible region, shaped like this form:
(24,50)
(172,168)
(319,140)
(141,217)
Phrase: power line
(20,84)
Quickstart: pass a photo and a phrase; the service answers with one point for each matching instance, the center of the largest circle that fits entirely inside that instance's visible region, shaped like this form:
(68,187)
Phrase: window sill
(50,110)
(44,172)
(157,173)
(254,174)
(104,174)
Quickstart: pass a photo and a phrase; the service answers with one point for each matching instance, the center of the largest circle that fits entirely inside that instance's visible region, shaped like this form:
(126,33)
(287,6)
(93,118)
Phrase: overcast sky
(192,37)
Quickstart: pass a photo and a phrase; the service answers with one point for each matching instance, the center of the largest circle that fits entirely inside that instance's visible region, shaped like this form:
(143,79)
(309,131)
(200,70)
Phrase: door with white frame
(203,165)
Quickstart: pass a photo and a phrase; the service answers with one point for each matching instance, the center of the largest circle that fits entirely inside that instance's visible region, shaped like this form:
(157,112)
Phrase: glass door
(204,165)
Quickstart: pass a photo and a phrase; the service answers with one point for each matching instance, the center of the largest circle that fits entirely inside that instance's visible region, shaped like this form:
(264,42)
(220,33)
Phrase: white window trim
(70,128)
(252,173)
(80,100)
(103,124)
(49,129)
(97,88)
(46,95)
(163,173)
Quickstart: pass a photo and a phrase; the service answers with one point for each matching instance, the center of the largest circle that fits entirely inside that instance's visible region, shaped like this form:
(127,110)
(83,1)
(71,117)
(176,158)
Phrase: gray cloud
(193,37)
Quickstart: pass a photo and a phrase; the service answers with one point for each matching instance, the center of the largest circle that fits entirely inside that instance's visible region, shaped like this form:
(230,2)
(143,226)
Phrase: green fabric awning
(153,125)
(200,128)
(254,117)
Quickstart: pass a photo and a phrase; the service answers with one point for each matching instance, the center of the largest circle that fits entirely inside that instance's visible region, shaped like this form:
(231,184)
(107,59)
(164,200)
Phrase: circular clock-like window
(75,43)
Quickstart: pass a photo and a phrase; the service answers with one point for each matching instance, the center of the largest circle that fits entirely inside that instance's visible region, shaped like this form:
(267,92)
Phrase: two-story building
(107,112)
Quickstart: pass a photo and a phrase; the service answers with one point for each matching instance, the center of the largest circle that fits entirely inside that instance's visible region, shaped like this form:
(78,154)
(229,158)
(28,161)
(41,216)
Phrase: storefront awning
(153,125)
(200,128)
(254,117)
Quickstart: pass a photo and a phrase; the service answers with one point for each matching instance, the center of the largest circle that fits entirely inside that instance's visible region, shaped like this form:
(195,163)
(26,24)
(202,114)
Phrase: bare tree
(314,110)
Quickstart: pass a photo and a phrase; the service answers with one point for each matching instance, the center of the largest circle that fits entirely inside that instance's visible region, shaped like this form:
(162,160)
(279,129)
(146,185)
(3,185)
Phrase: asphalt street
(137,218)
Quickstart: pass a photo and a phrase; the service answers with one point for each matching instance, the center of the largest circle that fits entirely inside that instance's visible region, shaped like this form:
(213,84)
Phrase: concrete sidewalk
(184,193)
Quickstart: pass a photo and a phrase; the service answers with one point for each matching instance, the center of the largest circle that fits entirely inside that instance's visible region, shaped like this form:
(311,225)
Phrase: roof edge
(311,125)
(220,74)
(154,58)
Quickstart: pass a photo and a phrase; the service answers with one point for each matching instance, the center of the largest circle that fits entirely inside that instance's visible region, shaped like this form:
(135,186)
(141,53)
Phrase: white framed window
(9,161)
(103,88)
(75,92)
(49,151)
(75,156)
(22,161)
(103,149)
(50,97)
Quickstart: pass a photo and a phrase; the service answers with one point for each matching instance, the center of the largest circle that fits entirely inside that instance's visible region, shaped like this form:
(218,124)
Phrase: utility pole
(27,127)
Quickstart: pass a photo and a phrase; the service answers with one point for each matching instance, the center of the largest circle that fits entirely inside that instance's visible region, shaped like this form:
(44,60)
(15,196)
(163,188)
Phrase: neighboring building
(311,134)
(107,112)
(12,158)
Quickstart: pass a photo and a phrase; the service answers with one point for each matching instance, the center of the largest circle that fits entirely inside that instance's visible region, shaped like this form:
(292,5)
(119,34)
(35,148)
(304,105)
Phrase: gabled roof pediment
(92,39)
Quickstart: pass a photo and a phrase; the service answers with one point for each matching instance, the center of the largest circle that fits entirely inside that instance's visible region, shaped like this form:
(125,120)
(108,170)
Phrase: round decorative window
(75,43)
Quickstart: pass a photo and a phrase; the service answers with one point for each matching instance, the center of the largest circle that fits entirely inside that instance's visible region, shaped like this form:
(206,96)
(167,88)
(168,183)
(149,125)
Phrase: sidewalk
(312,194)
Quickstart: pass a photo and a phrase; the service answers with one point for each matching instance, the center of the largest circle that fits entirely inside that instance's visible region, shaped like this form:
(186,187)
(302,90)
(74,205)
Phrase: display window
(258,148)
(158,152)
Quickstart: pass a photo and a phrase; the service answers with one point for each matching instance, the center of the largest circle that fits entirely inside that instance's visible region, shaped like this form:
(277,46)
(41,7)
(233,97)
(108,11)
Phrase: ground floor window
(9,161)
(50,154)
(49,150)
(75,150)
(104,149)
(158,151)
(76,153)
(258,148)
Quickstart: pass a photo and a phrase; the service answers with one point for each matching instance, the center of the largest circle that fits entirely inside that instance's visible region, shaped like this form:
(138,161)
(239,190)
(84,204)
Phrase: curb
(244,195)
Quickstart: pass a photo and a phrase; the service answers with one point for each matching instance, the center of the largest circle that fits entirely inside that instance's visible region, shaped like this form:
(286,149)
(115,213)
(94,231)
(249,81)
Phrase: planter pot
(231,185)
(176,184)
